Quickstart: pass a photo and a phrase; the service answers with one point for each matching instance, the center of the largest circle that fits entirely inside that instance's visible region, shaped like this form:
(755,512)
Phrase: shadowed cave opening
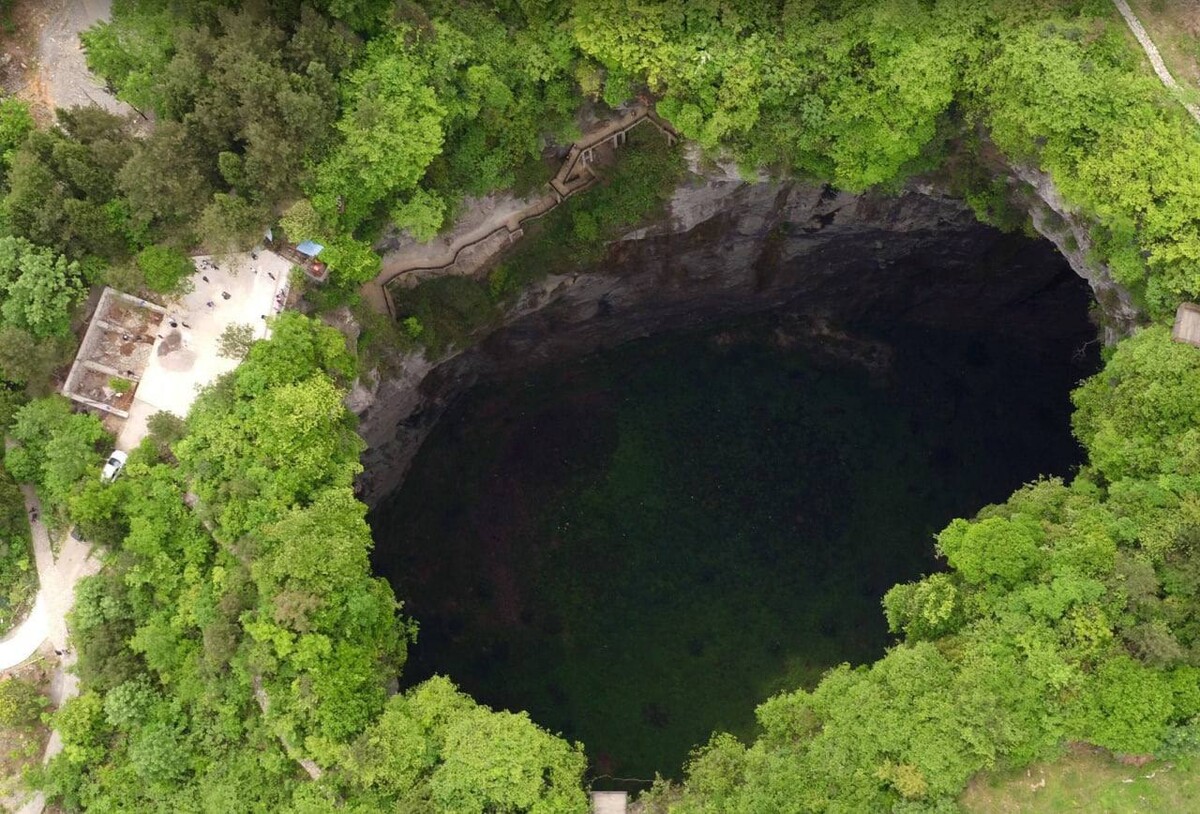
(641,544)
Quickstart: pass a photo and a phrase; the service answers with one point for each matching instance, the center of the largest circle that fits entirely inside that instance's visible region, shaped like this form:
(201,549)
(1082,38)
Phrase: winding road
(57,576)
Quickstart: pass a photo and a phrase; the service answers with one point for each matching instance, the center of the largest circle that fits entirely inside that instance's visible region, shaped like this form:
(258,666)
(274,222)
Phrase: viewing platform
(610,802)
(1187,324)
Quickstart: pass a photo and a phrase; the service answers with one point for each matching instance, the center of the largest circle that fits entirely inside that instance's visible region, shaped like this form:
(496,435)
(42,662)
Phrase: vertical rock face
(730,246)
(1055,221)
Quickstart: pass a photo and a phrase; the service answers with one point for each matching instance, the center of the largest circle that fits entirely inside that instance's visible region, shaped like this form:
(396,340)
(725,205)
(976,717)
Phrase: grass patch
(23,736)
(1175,29)
(1087,780)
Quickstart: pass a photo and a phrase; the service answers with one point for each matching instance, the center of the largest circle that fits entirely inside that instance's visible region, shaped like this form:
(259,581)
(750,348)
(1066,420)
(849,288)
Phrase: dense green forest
(224,641)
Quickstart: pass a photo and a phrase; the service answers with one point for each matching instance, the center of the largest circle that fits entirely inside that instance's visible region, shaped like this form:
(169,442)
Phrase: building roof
(310,248)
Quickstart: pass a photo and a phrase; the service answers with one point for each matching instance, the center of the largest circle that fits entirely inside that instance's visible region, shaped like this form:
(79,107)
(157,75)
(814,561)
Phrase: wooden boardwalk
(574,176)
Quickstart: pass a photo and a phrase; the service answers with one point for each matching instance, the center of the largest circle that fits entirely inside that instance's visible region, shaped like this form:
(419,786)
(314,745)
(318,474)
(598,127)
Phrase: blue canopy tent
(309,248)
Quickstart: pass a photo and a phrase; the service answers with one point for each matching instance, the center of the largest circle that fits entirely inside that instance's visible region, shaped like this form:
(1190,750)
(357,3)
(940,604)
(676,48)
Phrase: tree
(166,269)
(21,703)
(422,214)
(298,347)
(98,511)
(56,447)
(62,187)
(301,222)
(165,428)
(925,609)
(235,340)
(434,741)
(15,124)
(351,262)
(993,548)
(230,223)
(502,761)
(1141,416)
(163,181)
(28,361)
(84,732)
(391,130)
(39,288)
(1128,707)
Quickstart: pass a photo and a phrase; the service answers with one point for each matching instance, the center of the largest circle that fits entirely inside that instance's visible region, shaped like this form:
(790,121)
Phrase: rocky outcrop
(1071,235)
(730,246)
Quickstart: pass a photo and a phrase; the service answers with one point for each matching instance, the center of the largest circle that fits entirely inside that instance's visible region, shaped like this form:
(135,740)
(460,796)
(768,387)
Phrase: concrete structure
(1187,324)
(610,802)
(116,348)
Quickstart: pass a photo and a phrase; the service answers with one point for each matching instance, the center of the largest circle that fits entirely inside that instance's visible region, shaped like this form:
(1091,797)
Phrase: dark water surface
(641,546)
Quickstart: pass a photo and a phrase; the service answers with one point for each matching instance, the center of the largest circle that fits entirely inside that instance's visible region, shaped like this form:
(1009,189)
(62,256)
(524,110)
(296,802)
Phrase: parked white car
(113,466)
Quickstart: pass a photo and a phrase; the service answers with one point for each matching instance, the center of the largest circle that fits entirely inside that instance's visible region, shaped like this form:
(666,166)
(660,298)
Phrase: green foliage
(391,130)
(63,192)
(435,745)
(1142,415)
(299,346)
(132,53)
(301,222)
(925,609)
(56,448)
(21,704)
(15,124)
(1128,707)
(38,288)
(17,572)
(422,214)
(28,361)
(449,310)
(164,202)
(165,269)
(992,549)
(351,262)
(230,223)
(235,340)
(163,430)
(97,509)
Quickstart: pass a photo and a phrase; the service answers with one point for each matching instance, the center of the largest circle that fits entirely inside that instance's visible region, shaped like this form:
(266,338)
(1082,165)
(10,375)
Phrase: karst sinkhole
(639,545)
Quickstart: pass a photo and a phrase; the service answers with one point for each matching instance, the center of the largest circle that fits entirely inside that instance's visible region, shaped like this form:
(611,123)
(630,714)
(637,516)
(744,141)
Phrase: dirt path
(1156,60)
(62,69)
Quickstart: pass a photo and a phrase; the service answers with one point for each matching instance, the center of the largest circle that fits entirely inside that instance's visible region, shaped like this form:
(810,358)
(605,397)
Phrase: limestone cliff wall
(731,246)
